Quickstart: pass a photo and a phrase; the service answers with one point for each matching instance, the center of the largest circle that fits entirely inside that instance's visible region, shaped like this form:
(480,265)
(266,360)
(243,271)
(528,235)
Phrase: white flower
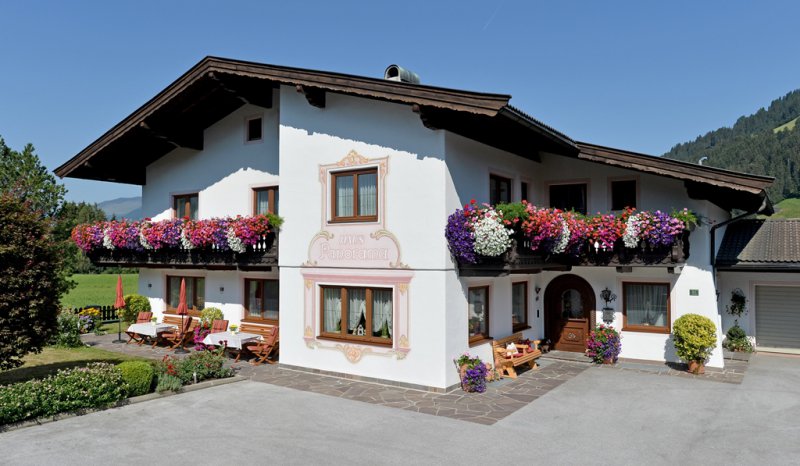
(491,237)
(107,240)
(563,240)
(185,243)
(234,242)
(632,230)
(143,241)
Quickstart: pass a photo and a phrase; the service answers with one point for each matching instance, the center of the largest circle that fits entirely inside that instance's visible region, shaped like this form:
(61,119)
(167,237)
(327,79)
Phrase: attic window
(254,129)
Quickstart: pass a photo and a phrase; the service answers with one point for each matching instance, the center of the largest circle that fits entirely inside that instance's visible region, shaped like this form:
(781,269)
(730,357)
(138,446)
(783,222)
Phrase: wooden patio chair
(219,326)
(141,318)
(265,348)
(178,336)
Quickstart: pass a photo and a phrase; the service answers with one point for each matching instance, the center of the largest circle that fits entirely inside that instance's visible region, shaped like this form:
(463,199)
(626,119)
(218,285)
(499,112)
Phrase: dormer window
(254,128)
(355,196)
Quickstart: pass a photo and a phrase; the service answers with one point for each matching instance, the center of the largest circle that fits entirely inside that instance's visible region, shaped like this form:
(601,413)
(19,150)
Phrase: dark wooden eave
(725,188)
(215,87)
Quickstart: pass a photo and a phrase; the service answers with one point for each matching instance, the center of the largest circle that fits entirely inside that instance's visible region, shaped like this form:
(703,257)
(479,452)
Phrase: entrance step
(567,356)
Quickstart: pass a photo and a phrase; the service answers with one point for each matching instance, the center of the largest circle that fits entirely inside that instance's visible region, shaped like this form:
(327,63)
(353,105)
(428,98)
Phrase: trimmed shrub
(736,333)
(134,304)
(210,314)
(94,386)
(694,337)
(138,376)
(737,340)
(203,364)
(68,330)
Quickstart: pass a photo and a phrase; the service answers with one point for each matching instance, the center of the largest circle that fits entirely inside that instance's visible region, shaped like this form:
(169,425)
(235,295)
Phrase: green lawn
(98,289)
(787,208)
(51,359)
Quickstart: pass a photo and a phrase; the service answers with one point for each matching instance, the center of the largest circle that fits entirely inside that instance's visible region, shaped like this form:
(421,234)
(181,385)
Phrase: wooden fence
(107,313)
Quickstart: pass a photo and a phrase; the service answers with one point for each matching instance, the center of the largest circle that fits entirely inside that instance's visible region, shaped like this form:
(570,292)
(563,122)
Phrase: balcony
(261,256)
(521,259)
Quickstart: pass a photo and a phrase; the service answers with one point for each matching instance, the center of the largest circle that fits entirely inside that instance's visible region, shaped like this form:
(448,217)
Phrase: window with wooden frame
(645,307)
(519,306)
(195,293)
(524,191)
(185,206)
(623,194)
(265,200)
(261,300)
(254,129)
(569,197)
(363,314)
(478,313)
(499,189)
(354,195)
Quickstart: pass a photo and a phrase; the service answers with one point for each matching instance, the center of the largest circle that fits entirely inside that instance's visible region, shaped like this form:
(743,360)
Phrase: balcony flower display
(233,233)
(487,231)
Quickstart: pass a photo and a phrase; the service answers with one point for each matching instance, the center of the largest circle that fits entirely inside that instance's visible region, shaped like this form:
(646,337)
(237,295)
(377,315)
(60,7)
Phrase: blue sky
(635,75)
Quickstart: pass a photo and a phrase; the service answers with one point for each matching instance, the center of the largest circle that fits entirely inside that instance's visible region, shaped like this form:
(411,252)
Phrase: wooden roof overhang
(215,87)
(725,188)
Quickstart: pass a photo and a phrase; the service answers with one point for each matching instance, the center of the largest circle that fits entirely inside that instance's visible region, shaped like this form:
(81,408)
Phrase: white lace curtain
(356,308)
(262,202)
(332,300)
(367,194)
(344,196)
(381,310)
(646,304)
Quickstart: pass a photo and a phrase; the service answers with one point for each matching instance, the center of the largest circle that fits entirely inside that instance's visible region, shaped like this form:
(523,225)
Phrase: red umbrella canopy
(182,308)
(120,302)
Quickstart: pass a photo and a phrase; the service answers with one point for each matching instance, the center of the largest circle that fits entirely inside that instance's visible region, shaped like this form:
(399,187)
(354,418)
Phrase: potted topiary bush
(694,337)
(736,341)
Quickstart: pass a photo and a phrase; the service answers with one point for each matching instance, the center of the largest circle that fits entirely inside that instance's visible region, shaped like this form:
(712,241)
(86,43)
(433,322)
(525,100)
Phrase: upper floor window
(499,189)
(355,196)
(261,300)
(524,193)
(357,313)
(185,206)
(265,200)
(255,131)
(519,306)
(645,307)
(569,197)
(195,292)
(623,194)
(478,313)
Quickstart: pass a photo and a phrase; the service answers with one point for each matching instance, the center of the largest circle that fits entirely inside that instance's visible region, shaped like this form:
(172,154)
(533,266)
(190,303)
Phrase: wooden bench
(525,354)
(265,331)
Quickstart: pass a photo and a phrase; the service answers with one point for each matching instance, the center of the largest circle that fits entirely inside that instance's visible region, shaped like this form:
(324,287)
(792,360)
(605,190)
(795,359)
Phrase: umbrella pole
(119,330)
(181,349)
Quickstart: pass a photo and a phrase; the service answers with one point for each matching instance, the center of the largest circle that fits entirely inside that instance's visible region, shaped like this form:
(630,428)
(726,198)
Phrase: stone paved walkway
(501,398)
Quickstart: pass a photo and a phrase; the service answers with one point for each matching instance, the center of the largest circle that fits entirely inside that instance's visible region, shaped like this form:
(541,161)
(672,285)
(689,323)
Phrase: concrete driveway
(601,416)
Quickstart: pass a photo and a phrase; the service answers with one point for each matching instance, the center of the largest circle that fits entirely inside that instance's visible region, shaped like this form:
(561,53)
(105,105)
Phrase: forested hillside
(765,143)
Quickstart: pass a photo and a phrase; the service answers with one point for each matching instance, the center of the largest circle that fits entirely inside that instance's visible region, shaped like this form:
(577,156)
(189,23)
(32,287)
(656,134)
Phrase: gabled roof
(726,188)
(215,87)
(761,245)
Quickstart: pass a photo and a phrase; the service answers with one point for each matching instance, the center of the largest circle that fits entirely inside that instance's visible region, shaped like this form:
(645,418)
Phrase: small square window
(265,200)
(254,129)
(569,197)
(185,206)
(499,189)
(355,196)
(623,194)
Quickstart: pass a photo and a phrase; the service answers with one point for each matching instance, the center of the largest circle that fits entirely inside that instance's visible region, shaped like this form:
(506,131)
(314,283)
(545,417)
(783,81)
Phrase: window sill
(480,341)
(662,330)
(520,327)
(358,341)
(353,220)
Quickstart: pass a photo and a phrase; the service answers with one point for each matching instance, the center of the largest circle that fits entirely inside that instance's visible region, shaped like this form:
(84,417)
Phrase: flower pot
(608,360)
(697,367)
(462,371)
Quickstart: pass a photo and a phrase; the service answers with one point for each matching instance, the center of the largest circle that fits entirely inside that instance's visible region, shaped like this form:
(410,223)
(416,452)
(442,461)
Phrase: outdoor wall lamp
(608,312)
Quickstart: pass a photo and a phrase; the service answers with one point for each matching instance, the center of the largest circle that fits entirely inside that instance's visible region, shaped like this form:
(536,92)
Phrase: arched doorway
(568,301)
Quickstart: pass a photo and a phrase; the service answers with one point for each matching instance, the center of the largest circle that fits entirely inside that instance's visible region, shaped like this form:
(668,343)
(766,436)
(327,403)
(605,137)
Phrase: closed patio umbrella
(119,303)
(182,309)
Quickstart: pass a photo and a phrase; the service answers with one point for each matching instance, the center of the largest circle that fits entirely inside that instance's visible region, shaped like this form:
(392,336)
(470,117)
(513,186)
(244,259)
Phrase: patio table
(150,329)
(234,340)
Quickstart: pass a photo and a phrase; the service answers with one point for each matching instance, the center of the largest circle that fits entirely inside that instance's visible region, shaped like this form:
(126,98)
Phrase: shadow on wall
(382,124)
(669,350)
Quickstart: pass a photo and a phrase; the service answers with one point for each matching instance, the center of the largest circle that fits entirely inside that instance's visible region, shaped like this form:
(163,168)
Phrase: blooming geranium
(88,236)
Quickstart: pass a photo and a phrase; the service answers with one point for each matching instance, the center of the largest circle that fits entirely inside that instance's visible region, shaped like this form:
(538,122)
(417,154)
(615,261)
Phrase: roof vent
(397,73)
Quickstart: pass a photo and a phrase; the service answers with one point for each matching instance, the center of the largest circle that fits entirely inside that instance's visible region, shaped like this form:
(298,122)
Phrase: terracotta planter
(608,360)
(697,367)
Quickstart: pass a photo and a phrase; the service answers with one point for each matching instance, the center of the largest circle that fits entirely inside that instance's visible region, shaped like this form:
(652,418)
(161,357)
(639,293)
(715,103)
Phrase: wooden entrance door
(568,301)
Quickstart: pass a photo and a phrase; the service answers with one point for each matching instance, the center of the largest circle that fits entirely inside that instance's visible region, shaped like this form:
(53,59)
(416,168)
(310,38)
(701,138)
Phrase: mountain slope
(765,143)
(122,207)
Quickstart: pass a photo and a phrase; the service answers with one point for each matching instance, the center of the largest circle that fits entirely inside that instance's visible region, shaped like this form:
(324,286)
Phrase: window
(195,292)
(623,194)
(254,129)
(357,313)
(646,307)
(265,200)
(261,300)
(523,191)
(519,306)
(499,189)
(478,305)
(185,206)
(355,196)
(568,197)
